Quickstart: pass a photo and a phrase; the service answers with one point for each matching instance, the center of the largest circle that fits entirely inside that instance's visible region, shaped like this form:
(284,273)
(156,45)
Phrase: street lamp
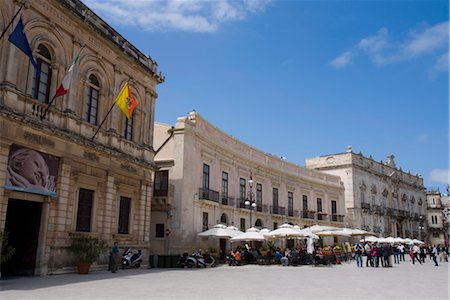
(249,201)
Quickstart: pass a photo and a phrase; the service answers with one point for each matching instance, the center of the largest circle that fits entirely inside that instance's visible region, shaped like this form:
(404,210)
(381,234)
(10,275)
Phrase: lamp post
(250,202)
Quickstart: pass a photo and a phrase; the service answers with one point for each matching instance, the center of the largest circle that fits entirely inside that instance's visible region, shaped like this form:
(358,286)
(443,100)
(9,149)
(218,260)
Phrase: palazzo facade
(204,179)
(56,179)
(379,196)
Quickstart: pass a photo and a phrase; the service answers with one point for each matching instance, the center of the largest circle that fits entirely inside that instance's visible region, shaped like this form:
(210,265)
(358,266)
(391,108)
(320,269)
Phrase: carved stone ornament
(373,189)
(404,198)
(363,187)
(385,193)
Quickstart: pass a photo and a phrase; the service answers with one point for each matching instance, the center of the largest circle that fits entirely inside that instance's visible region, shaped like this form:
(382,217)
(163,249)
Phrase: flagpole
(54,97)
(10,23)
(48,107)
(98,129)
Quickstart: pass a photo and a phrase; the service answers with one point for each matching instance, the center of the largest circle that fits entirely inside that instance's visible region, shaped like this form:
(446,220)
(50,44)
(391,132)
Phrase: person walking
(415,256)
(373,253)
(358,255)
(114,258)
(401,247)
(369,261)
(396,254)
(434,253)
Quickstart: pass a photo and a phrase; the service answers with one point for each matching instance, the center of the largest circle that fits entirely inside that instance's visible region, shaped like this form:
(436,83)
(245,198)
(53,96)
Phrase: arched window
(224,219)
(128,132)
(43,78)
(92,96)
(258,223)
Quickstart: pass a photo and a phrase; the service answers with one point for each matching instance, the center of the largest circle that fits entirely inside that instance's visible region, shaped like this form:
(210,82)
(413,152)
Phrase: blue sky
(301,79)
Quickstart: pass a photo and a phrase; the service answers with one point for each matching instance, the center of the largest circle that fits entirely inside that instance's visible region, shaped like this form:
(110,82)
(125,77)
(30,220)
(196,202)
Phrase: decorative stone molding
(91,156)
(37,139)
(373,189)
(363,187)
(385,193)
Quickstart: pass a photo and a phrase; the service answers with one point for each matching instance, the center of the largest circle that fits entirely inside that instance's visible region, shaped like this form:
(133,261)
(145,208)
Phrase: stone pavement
(345,281)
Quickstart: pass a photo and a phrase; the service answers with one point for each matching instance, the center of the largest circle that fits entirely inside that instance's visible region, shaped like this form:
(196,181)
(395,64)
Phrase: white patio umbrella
(387,240)
(252,234)
(399,240)
(285,232)
(234,231)
(416,241)
(332,233)
(371,239)
(219,231)
(265,231)
(318,228)
(408,241)
(308,233)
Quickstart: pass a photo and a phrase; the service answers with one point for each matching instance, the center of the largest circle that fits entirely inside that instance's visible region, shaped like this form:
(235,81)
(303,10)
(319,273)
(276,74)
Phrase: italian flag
(65,84)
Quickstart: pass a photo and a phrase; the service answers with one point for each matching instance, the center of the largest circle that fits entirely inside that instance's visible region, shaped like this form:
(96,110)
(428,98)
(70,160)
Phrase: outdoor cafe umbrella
(252,234)
(416,241)
(306,232)
(332,233)
(234,231)
(285,232)
(371,239)
(318,228)
(219,231)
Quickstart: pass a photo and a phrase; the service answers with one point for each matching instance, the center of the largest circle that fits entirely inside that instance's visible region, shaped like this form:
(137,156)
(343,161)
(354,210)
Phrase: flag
(126,101)
(65,84)
(19,39)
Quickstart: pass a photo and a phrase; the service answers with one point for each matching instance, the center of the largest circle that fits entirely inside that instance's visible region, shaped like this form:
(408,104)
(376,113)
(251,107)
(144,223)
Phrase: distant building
(55,179)
(378,196)
(203,179)
(437,217)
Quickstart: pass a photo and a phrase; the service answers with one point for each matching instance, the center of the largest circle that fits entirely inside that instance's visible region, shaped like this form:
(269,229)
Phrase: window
(242,188)
(334,216)
(258,223)
(42,79)
(205,221)
(305,202)
(224,219)
(291,204)
(205,177)
(275,225)
(159,231)
(434,220)
(242,224)
(161,185)
(259,197)
(92,100)
(128,132)
(84,213)
(275,200)
(224,185)
(124,215)
(319,204)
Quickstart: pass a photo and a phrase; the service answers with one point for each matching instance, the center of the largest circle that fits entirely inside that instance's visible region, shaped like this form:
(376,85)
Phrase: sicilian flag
(125,101)
(65,84)
(19,39)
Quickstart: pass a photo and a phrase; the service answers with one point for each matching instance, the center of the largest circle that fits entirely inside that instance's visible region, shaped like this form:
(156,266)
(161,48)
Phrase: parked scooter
(205,260)
(131,259)
(186,260)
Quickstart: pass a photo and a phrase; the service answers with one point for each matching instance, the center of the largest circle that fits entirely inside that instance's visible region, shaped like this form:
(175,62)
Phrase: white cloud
(159,15)
(342,60)
(440,176)
(426,41)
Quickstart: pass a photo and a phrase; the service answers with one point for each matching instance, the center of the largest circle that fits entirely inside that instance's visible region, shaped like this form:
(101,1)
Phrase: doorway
(23,219)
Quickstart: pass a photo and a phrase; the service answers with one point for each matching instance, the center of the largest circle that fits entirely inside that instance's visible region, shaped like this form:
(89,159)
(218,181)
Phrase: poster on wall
(31,171)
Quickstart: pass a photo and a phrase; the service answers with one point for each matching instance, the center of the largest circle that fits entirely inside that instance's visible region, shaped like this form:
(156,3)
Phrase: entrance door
(223,247)
(23,220)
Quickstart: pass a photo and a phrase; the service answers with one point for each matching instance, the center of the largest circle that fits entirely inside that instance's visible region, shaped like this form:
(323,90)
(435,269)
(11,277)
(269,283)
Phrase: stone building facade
(436,217)
(100,187)
(379,197)
(203,180)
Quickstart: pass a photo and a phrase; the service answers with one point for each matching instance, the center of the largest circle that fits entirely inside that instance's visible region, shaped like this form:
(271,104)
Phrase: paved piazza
(345,281)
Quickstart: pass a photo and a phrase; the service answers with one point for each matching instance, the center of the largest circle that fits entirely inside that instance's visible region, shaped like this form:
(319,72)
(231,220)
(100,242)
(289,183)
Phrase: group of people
(380,254)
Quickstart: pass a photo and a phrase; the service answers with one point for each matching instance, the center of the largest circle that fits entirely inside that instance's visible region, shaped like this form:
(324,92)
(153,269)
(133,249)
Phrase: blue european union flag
(19,39)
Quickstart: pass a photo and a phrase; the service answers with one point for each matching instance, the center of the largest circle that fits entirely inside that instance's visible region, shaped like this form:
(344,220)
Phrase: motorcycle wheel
(190,264)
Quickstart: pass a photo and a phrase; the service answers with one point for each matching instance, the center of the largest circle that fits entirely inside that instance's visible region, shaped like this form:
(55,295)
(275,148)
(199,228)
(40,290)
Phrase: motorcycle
(196,259)
(131,259)
(186,260)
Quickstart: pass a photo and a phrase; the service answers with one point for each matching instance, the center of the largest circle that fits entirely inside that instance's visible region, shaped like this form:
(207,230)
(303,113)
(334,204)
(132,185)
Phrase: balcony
(207,194)
(293,213)
(240,203)
(321,216)
(377,229)
(308,214)
(225,200)
(377,209)
(365,205)
(337,218)
(278,210)
(365,227)
(390,212)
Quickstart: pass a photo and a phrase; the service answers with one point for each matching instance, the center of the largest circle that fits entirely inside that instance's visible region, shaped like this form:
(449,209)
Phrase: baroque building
(56,179)
(206,176)
(437,217)
(379,197)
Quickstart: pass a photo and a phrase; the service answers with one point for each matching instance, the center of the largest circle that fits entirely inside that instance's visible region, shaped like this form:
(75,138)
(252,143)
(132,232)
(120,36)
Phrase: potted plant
(264,249)
(86,250)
